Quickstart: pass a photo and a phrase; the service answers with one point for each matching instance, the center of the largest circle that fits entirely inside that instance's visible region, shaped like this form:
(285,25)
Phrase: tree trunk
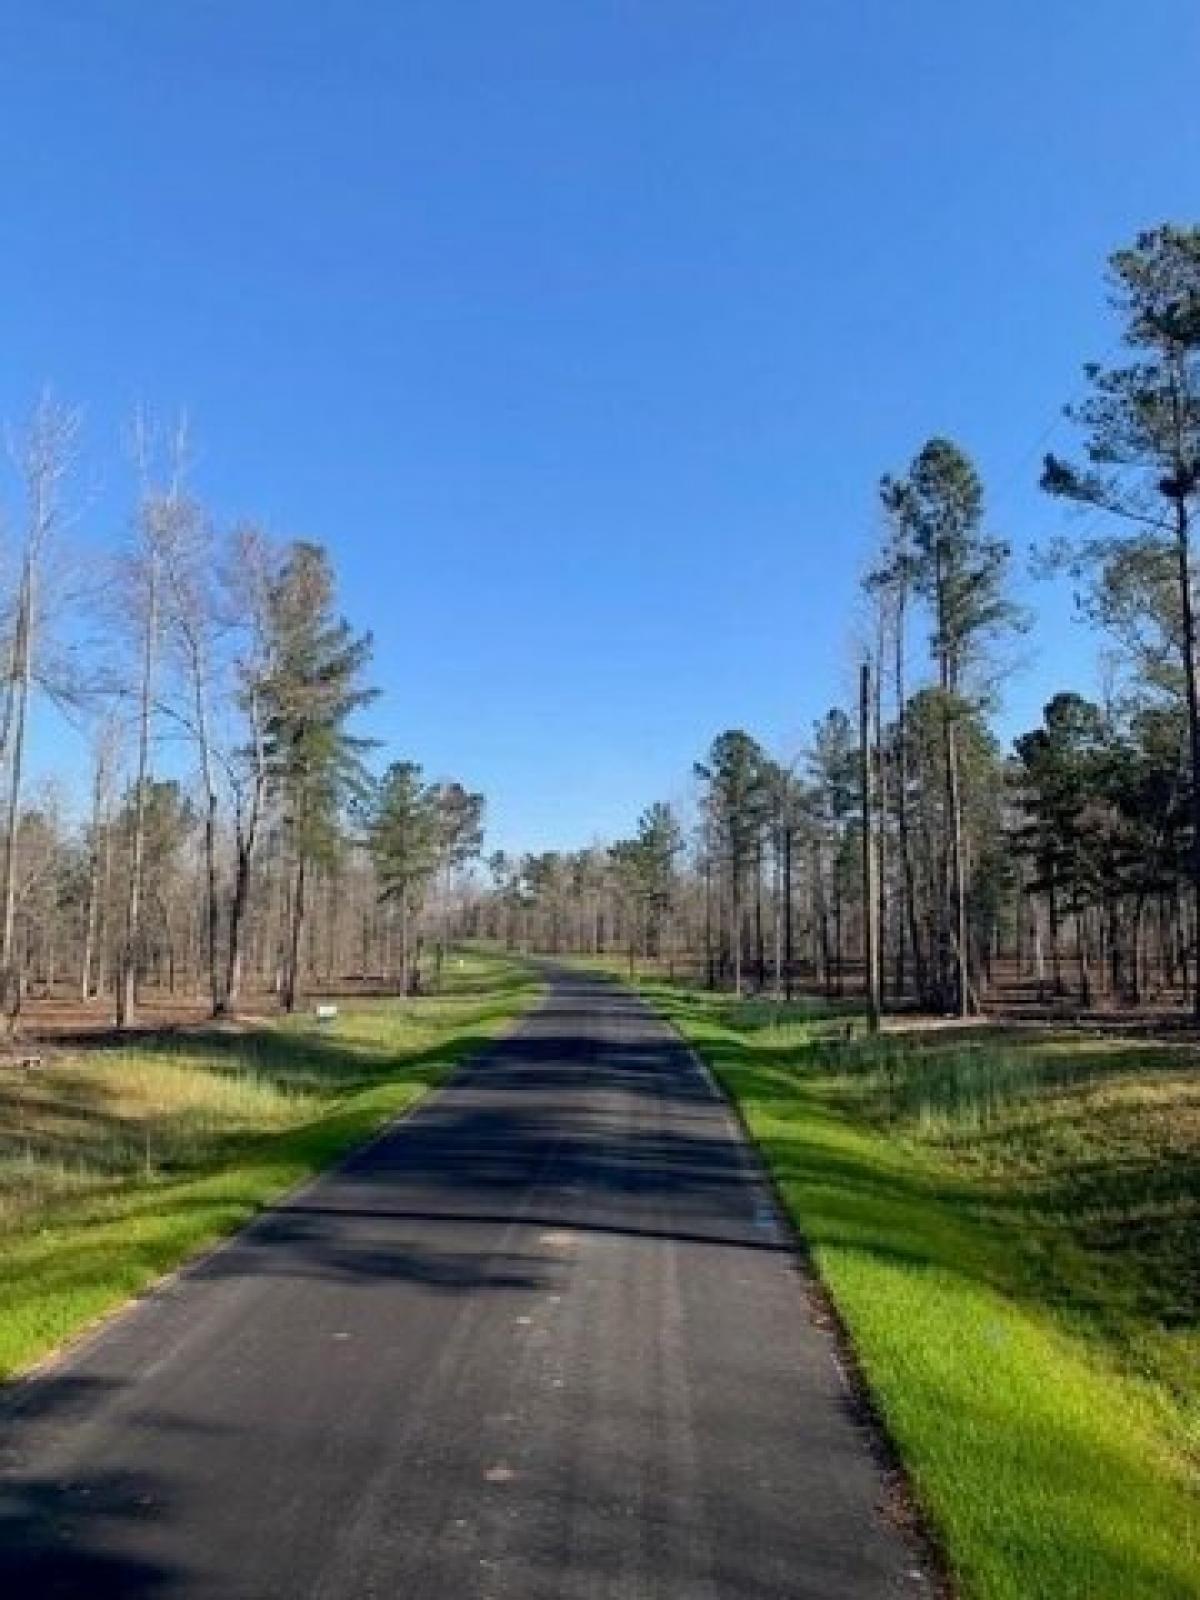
(709,961)
(406,986)
(920,974)
(735,921)
(1188,643)
(870,864)
(291,975)
(788,961)
(760,948)
(822,914)
(777,913)
(212,913)
(237,914)
(1137,946)
(91,914)
(1085,981)
(127,984)
(22,671)
(956,875)
(962,982)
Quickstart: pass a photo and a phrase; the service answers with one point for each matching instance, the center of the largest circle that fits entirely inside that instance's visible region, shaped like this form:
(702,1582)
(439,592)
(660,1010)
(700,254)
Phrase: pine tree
(734,773)
(960,571)
(1142,429)
(404,840)
(314,688)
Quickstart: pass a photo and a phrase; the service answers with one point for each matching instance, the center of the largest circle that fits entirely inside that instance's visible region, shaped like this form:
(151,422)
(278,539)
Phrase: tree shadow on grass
(77,1120)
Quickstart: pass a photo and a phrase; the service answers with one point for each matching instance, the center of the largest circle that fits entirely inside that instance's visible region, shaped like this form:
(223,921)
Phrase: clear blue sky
(581,332)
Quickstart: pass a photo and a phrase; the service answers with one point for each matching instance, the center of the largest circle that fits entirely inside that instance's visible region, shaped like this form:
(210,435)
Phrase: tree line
(1066,865)
(235,840)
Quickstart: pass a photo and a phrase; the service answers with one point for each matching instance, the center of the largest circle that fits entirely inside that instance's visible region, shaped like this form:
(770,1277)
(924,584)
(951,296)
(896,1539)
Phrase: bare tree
(44,453)
(192,626)
(99,852)
(248,585)
(160,503)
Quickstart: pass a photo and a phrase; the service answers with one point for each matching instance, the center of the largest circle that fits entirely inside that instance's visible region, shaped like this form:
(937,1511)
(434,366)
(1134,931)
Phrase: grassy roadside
(117,1165)
(1009,1230)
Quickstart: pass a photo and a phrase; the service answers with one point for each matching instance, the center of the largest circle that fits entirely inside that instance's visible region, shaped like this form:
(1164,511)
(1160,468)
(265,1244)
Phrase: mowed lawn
(117,1164)
(1009,1226)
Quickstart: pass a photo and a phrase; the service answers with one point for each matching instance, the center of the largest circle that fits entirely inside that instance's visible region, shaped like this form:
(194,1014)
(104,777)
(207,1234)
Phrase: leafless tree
(160,506)
(44,452)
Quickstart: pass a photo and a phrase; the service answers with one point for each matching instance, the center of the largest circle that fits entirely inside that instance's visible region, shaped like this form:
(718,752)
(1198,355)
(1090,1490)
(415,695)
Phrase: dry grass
(116,1163)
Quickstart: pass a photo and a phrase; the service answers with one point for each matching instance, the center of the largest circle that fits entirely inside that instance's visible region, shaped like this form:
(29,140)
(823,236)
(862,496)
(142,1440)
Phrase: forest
(909,843)
(234,843)
(234,839)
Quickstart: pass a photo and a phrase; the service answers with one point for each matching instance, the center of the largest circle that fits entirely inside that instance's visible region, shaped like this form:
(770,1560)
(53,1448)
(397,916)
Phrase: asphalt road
(546,1339)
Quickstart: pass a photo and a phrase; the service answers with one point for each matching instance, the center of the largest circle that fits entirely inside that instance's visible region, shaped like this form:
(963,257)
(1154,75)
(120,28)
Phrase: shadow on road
(606,1130)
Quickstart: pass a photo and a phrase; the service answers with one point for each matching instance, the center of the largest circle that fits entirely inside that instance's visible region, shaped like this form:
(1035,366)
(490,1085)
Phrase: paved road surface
(544,1341)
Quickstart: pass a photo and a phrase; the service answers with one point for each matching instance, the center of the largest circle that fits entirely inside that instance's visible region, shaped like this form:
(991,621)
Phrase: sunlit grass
(117,1164)
(1008,1225)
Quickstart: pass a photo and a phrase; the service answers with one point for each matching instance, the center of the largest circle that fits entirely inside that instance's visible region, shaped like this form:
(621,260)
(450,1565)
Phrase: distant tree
(547,881)
(590,885)
(833,774)
(1102,818)
(733,773)
(1150,789)
(404,824)
(660,842)
(1058,773)
(459,840)
(504,873)
(630,875)
(105,750)
(788,806)
(169,821)
(643,874)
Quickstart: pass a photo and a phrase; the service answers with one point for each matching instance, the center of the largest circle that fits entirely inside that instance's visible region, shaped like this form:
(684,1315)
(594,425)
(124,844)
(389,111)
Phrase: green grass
(1009,1228)
(116,1165)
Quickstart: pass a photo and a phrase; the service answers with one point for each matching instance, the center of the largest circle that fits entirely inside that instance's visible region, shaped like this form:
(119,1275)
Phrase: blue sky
(581,332)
